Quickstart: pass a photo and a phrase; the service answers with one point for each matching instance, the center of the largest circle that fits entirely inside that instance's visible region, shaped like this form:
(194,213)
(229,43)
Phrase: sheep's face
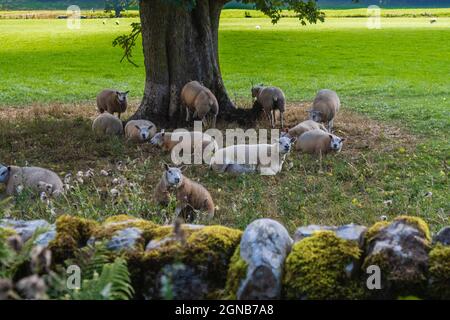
(122,96)
(4,174)
(315,116)
(45,187)
(285,144)
(158,139)
(255,91)
(336,143)
(174,176)
(144,132)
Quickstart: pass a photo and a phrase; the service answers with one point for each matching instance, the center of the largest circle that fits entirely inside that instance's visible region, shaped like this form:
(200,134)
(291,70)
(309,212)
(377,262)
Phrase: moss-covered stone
(374,229)
(207,250)
(7,232)
(418,223)
(439,272)
(317,268)
(237,272)
(72,233)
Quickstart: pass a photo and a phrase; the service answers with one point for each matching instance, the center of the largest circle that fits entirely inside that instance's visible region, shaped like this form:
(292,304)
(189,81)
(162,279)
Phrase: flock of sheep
(309,136)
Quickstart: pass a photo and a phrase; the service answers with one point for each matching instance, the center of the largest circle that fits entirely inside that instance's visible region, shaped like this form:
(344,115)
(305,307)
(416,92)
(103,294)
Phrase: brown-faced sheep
(325,106)
(271,99)
(107,124)
(200,101)
(319,142)
(188,193)
(139,130)
(112,101)
(33,178)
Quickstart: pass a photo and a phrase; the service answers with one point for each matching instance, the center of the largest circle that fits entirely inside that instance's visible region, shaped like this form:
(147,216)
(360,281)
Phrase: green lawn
(398,75)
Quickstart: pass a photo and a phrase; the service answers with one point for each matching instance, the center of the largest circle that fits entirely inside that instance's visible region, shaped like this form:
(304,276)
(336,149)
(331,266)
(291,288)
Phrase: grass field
(394,84)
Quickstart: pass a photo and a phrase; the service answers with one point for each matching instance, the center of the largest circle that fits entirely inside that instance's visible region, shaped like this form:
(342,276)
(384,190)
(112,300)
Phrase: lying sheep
(325,107)
(32,178)
(168,141)
(304,126)
(319,142)
(271,99)
(188,193)
(267,159)
(112,101)
(107,124)
(200,101)
(139,130)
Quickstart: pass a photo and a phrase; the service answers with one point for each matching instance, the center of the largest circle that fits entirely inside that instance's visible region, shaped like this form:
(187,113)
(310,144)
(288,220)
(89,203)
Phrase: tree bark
(180,45)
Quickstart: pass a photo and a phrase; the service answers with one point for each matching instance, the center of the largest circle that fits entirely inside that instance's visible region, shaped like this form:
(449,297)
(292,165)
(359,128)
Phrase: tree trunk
(180,45)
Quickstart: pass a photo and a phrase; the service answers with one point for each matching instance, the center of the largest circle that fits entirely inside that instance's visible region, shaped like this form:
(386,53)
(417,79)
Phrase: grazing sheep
(33,178)
(271,99)
(325,107)
(319,142)
(168,140)
(200,101)
(228,159)
(107,124)
(112,101)
(188,193)
(433,20)
(139,130)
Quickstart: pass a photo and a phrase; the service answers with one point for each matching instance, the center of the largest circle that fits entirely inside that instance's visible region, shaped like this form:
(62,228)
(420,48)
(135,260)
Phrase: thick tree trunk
(180,45)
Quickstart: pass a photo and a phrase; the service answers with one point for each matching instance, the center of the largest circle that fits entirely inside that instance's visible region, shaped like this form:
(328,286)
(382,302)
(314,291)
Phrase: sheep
(200,101)
(227,159)
(139,130)
(161,193)
(271,99)
(319,142)
(188,193)
(304,126)
(433,20)
(325,107)
(107,124)
(34,178)
(168,140)
(112,101)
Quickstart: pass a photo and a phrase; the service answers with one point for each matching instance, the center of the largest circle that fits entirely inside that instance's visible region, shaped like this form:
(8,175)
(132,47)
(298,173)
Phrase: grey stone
(443,236)
(124,239)
(25,229)
(264,247)
(352,232)
(44,238)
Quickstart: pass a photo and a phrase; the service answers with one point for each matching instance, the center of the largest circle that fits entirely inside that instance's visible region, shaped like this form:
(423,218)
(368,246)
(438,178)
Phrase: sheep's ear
(137,127)
(150,126)
(293,139)
(182,168)
(127,92)
(331,136)
(166,167)
(9,168)
(343,139)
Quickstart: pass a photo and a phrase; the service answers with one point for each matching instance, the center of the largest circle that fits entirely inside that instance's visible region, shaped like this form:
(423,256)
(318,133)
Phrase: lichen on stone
(237,271)
(72,233)
(374,229)
(317,268)
(439,272)
(418,223)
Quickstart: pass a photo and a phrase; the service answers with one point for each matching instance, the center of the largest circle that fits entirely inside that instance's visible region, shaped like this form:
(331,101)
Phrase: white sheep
(34,178)
(107,124)
(139,130)
(200,101)
(271,99)
(319,142)
(189,194)
(267,159)
(113,101)
(325,106)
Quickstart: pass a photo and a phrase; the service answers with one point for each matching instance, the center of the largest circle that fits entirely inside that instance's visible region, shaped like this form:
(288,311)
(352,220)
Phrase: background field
(394,84)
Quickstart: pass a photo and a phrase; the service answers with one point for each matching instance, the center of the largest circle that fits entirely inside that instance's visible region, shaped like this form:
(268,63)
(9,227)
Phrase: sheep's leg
(330,126)
(282,119)
(119,115)
(274,118)
(214,119)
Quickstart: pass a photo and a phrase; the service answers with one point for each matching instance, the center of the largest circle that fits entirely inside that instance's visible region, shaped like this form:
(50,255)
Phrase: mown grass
(397,75)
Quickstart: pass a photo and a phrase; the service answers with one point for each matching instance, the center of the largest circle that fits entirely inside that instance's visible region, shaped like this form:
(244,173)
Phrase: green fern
(112,284)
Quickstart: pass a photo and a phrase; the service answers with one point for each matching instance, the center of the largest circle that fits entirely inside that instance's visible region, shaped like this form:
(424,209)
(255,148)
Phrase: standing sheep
(200,101)
(319,142)
(271,99)
(267,159)
(112,101)
(139,130)
(34,178)
(188,193)
(325,107)
(107,124)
